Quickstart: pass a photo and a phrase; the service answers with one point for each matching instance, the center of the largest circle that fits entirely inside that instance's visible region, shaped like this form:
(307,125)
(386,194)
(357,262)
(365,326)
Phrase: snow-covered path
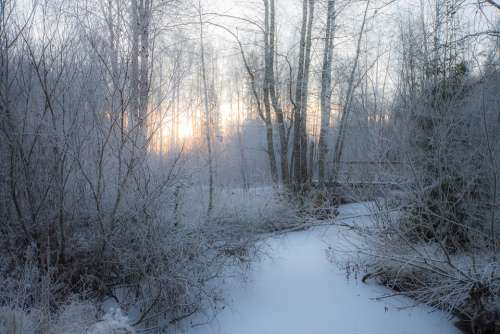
(296,290)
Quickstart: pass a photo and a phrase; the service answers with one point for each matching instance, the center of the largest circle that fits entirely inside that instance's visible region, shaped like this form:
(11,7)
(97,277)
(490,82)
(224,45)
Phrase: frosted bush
(15,321)
(256,210)
(75,318)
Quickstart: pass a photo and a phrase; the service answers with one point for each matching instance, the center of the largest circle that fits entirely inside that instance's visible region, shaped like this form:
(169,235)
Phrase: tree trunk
(134,65)
(300,110)
(243,160)
(207,118)
(326,91)
(271,28)
(297,113)
(267,103)
(265,115)
(145,19)
(305,91)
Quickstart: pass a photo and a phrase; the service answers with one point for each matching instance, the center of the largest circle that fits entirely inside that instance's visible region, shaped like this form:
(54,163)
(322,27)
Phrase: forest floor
(296,289)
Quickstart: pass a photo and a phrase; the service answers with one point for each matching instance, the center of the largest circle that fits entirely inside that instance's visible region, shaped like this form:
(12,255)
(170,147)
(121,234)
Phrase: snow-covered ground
(297,290)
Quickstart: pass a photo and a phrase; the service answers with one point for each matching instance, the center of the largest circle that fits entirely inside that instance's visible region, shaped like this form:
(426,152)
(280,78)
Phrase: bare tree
(267,98)
(270,54)
(208,131)
(346,107)
(135,25)
(326,90)
(300,141)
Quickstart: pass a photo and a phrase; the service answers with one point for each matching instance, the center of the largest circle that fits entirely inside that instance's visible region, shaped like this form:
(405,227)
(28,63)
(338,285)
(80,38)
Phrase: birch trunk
(207,118)
(326,91)
(267,102)
(278,111)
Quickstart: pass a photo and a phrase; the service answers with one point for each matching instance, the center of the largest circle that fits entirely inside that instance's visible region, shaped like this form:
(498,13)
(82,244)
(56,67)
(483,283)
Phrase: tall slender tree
(301,92)
(207,114)
(270,33)
(267,97)
(326,90)
(347,105)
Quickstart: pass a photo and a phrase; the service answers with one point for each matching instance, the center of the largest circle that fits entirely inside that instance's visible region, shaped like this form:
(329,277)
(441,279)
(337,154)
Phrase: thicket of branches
(88,210)
(436,239)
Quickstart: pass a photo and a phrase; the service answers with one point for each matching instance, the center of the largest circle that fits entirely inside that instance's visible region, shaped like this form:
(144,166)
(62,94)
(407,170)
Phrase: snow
(114,322)
(296,289)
